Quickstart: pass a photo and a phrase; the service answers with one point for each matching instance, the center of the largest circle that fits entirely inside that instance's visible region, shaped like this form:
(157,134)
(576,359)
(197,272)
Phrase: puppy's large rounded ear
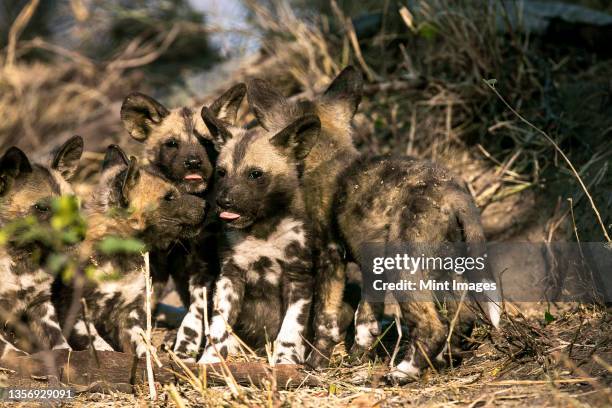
(299,137)
(267,103)
(216,127)
(115,156)
(13,164)
(139,113)
(226,106)
(345,92)
(66,158)
(132,175)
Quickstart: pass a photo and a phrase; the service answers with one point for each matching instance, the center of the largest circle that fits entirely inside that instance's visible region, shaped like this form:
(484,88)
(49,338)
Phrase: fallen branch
(78,369)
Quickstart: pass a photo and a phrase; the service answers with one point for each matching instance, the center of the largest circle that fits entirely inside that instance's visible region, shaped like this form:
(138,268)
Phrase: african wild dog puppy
(352,200)
(26,190)
(178,145)
(130,202)
(265,287)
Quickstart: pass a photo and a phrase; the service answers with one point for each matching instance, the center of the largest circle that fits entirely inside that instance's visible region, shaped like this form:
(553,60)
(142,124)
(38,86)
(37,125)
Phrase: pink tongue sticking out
(226,215)
(193,177)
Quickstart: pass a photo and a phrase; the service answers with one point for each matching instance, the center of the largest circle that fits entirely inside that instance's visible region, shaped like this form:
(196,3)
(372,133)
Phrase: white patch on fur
(493,308)
(136,337)
(192,322)
(218,327)
(248,250)
(494,312)
(223,295)
(252,277)
(49,321)
(209,356)
(98,342)
(405,370)
(292,332)
(363,336)
(441,357)
(333,333)
(8,279)
(195,323)
(129,286)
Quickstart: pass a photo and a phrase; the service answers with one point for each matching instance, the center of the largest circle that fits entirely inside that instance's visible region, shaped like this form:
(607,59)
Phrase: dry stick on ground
(20,23)
(558,149)
(150,378)
(452,328)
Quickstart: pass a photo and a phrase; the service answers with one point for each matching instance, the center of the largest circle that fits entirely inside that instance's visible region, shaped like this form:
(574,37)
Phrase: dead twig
(17,28)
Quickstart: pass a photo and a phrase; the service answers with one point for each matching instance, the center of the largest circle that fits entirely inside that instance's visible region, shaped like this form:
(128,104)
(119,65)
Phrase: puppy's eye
(221,172)
(41,208)
(255,174)
(170,196)
(171,143)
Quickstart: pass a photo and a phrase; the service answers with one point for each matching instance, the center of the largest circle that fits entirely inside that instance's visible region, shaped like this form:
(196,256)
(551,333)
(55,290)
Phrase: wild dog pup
(130,202)
(26,190)
(352,200)
(179,146)
(265,287)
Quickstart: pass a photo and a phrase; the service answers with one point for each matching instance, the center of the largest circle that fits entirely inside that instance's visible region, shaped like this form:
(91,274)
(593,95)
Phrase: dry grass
(528,362)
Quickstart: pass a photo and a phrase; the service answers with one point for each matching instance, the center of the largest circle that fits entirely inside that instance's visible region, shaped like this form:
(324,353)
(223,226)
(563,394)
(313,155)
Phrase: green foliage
(116,245)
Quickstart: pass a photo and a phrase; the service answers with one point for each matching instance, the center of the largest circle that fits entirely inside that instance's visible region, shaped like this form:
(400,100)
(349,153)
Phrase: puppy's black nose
(224,202)
(193,163)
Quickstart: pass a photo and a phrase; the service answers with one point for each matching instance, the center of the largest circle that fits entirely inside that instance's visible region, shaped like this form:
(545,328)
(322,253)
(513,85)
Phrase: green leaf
(549,317)
(113,245)
(428,31)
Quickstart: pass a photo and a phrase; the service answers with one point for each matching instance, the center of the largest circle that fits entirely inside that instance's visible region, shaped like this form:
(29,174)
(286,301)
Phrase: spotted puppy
(178,145)
(353,199)
(131,202)
(265,287)
(26,191)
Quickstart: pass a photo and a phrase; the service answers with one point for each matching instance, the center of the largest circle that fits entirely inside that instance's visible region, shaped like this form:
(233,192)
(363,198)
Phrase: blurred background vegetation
(72,62)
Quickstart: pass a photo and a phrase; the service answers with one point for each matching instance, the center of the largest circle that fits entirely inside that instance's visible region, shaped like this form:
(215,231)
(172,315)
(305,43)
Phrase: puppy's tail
(468,217)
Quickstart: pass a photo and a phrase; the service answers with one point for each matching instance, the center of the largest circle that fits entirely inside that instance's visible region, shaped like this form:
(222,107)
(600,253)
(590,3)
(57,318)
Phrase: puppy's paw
(366,334)
(99,344)
(404,373)
(209,357)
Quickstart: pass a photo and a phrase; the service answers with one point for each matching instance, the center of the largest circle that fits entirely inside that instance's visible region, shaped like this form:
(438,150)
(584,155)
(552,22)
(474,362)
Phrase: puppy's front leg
(189,336)
(85,335)
(132,323)
(229,292)
(298,282)
(45,325)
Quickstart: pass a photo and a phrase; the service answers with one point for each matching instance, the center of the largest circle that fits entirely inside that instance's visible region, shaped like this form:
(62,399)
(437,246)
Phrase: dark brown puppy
(352,200)
(130,202)
(179,146)
(265,287)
